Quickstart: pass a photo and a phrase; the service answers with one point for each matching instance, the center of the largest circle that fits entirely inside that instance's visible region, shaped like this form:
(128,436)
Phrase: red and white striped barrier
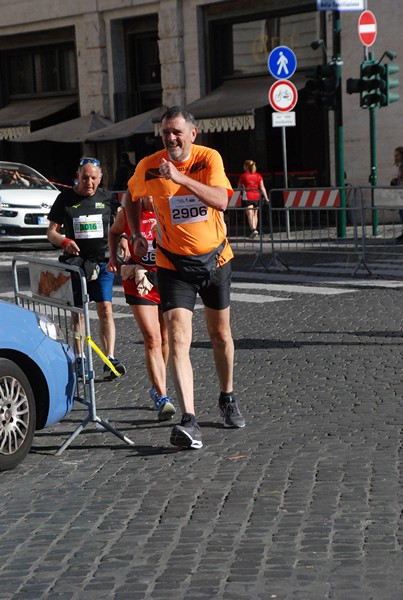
(235,200)
(311,198)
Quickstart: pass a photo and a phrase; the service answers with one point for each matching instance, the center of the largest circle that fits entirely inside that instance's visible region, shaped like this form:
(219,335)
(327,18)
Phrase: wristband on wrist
(134,236)
(123,236)
(65,242)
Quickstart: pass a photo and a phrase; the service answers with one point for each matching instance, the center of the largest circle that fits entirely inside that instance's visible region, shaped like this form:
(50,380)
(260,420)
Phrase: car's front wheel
(17,415)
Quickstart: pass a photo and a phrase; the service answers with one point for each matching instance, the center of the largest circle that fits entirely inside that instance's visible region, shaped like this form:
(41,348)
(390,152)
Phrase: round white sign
(283,95)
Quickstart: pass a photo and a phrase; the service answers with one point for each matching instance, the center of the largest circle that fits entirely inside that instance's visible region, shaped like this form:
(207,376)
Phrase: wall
(181,50)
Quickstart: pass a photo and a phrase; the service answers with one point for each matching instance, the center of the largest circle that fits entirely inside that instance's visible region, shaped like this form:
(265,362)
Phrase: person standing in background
(398,180)
(253,188)
(123,173)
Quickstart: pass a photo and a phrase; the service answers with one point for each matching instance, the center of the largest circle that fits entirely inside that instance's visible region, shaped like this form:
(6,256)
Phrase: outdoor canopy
(16,117)
(142,123)
(73,131)
(231,107)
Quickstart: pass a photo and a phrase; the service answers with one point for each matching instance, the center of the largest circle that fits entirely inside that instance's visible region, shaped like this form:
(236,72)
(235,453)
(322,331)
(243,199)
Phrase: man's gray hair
(179,111)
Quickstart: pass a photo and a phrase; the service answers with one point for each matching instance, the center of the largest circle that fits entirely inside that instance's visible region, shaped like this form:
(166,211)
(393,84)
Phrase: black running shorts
(133,300)
(176,293)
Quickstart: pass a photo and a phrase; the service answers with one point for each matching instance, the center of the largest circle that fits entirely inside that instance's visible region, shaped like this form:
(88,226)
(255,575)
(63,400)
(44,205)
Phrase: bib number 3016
(187,209)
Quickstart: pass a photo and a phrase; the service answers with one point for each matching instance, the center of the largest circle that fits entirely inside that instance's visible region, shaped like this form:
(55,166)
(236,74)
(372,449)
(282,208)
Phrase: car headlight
(50,328)
(5,210)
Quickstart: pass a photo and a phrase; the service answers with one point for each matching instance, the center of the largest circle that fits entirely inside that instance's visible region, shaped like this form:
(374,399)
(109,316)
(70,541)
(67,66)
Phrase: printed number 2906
(186,213)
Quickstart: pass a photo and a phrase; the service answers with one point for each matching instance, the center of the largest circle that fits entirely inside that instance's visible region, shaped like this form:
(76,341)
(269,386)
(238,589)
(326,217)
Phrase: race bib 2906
(187,209)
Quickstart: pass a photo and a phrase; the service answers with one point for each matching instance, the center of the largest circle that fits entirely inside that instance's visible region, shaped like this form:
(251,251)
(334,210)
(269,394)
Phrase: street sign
(367,28)
(283,119)
(282,62)
(283,95)
(340,4)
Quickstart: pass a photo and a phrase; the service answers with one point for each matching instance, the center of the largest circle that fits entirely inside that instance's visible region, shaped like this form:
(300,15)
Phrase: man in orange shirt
(190,191)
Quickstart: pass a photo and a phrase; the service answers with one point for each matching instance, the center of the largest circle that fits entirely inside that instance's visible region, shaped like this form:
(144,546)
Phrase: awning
(16,117)
(231,107)
(142,123)
(73,131)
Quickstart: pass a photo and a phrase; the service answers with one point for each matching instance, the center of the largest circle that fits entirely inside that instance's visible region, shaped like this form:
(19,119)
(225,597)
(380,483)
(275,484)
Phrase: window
(241,48)
(40,71)
(143,69)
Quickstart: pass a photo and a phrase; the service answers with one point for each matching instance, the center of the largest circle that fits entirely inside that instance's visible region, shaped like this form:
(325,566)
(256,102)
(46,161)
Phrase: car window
(22,177)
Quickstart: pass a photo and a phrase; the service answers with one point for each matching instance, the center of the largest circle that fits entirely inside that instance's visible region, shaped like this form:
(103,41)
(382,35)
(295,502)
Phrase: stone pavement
(303,504)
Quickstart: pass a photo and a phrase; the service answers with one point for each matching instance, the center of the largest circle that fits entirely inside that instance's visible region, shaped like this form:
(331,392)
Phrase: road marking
(299,289)
(319,280)
(242,291)
(255,298)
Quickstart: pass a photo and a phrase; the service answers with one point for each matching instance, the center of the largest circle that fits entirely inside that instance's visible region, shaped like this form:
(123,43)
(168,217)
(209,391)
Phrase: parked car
(26,197)
(37,379)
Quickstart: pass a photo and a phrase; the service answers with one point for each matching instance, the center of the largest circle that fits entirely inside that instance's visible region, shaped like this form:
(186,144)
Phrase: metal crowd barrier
(54,289)
(298,221)
(312,221)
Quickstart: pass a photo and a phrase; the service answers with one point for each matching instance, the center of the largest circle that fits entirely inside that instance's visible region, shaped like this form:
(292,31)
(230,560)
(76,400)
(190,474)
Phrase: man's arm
(57,239)
(213,196)
(133,216)
(114,233)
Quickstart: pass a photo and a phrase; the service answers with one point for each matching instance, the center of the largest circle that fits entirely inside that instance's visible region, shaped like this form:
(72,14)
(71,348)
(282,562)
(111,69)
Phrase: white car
(26,197)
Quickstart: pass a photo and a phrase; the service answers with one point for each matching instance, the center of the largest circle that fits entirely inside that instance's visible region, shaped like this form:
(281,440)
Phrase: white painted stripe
(318,197)
(367,28)
(304,198)
(297,289)
(256,298)
(314,276)
(290,199)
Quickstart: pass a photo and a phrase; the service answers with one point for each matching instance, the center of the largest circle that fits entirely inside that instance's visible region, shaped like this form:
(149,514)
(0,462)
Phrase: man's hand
(70,247)
(112,265)
(124,249)
(169,171)
(140,246)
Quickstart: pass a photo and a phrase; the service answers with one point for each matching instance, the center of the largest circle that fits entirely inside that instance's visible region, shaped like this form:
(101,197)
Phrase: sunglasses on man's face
(92,161)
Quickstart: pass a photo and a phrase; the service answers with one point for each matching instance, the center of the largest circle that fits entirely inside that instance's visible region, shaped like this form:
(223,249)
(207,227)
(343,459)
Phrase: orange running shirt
(185,224)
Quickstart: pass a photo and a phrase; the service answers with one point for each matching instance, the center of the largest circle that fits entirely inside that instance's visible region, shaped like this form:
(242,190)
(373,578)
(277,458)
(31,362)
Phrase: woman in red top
(253,188)
(141,293)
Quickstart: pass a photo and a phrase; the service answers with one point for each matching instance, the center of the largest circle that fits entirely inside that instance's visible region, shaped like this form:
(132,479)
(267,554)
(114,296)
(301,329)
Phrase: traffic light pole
(338,127)
(373,178)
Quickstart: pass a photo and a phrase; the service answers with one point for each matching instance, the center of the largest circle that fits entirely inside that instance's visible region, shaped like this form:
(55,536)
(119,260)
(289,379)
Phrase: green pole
(373,178)
(338,128)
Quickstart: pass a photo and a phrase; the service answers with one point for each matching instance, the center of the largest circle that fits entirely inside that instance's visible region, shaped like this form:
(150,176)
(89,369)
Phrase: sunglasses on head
(92,161)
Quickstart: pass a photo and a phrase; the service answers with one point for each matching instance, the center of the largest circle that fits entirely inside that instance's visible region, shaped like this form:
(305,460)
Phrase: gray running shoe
(230,411)
(187,434)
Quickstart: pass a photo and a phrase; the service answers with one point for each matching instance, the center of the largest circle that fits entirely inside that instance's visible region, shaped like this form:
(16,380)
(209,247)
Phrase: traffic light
(371,85)
(375,84)
(322,88)
(389,83)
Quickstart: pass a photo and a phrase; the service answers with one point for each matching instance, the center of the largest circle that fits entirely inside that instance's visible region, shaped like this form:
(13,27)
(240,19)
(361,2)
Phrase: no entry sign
(367,28)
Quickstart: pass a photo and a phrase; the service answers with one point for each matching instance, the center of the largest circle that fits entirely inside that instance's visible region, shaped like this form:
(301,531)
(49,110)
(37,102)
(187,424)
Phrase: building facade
(125,60)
